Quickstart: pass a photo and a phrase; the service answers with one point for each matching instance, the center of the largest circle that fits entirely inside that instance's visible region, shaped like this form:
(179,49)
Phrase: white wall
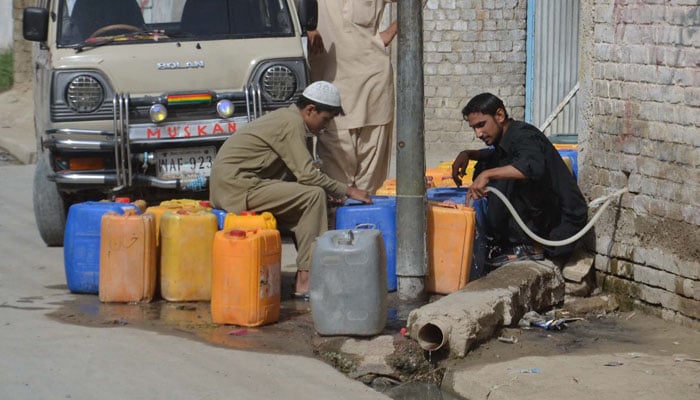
(5,24)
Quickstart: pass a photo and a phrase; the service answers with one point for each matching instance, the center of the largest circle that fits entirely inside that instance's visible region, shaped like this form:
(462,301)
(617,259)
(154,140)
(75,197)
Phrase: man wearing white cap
(266,166)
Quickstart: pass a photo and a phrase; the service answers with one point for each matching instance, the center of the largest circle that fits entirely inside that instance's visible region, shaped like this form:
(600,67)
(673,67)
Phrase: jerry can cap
(122,200)
(248,212)
(236,233)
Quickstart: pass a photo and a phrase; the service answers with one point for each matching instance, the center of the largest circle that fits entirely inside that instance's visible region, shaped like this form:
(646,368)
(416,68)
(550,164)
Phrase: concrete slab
(373,355)
(635,376)
(472,315)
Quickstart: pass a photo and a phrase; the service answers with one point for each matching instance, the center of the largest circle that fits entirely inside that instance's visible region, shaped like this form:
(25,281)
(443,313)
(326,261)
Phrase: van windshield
(86,21)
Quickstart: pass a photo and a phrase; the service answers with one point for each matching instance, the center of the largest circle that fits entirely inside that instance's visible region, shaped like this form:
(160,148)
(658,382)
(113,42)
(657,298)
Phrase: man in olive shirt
(266,166)
(524,165)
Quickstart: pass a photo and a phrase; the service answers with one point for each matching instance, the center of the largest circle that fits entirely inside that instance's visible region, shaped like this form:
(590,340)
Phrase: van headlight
(158,113)
(84,94)
(278,82)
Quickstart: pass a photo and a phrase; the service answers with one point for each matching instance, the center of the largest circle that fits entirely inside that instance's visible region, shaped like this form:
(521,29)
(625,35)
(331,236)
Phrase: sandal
(301,296)
(517,253)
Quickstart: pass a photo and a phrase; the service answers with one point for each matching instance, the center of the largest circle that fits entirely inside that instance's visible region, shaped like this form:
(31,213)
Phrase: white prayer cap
(323,92)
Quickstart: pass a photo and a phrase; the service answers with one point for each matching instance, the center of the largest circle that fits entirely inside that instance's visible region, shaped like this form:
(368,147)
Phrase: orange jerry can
(246,277)
(388,188)
(250,220)
(127,257)
(186,240)
(451,229)
(438,175)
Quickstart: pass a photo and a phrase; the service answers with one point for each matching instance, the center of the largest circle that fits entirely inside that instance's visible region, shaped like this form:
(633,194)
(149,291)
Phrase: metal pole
(410,154)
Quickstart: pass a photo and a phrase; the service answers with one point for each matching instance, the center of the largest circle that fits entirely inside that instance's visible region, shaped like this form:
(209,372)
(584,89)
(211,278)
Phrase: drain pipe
(433,335)
(411,222)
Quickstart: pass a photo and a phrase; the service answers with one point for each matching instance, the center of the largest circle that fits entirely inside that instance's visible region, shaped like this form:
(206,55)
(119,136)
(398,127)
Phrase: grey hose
(555,243)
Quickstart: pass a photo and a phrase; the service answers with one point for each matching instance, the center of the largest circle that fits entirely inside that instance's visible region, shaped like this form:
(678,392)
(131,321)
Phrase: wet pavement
(292,334)
(419,374)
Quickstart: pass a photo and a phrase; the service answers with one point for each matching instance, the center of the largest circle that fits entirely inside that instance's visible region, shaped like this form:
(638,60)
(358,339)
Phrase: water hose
(606,200)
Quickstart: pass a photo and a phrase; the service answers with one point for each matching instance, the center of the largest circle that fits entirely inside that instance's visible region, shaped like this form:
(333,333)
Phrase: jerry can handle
(346,238)
(366,226)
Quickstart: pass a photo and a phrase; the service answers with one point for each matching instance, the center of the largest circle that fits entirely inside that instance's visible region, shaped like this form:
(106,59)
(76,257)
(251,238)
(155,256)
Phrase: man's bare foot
(301,286)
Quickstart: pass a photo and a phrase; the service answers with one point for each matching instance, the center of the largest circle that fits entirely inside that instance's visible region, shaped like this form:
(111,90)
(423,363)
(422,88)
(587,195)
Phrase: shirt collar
(506,142)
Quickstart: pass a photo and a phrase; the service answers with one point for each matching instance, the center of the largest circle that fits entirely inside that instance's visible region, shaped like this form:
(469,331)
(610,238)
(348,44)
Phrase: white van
(134,97)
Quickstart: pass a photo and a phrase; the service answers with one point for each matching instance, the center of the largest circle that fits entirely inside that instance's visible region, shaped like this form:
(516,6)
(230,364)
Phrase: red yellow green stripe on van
(190,98)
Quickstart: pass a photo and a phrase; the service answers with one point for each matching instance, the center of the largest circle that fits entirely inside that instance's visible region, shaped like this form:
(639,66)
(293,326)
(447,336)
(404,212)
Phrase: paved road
(45,359)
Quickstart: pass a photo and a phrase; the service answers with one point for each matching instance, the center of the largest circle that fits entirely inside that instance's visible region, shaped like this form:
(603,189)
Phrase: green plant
(6,70)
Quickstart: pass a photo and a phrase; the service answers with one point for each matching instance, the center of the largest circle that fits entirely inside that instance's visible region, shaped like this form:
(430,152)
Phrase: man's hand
(335,201)
(478,189)
(459,166)
(315,42)
(359,194)
(389,34)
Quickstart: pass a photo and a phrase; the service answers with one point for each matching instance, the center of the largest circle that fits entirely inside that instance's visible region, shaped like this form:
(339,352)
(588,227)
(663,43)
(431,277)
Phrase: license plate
(184,163)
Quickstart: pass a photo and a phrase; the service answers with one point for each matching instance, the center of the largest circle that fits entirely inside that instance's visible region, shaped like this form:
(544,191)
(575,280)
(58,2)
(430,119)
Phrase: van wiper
(154,35)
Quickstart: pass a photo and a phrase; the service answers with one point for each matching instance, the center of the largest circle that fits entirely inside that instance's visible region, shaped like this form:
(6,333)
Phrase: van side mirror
(35,24)
(308,14)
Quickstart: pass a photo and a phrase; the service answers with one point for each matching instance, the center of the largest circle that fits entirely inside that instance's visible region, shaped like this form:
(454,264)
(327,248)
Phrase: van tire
(49,205)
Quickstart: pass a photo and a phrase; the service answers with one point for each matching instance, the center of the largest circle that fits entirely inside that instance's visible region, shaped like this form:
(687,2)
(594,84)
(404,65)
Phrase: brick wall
(640,127)
(641,69)
(22,48)
(470,46)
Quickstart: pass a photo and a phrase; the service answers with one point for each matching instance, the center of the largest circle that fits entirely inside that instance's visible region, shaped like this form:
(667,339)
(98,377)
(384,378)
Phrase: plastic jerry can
(158,212)
(567,146)
(380,215)
(570,155)
(388,188)
(81,245)
(250,220)
(246,277)
(376,199)
(220,217)
(186,240)
(348,283)
(141,204)
(127,257)
(446,167)
(452,195)
(438,175)
(186,203)
(450,241)
(449,183)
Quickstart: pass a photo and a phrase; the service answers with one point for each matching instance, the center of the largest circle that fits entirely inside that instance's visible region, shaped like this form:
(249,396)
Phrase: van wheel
(49,205)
